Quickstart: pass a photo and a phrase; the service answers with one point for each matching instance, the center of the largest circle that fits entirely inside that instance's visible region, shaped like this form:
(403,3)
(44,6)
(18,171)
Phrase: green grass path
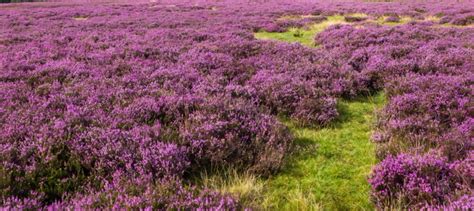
(303,36)
(330,166)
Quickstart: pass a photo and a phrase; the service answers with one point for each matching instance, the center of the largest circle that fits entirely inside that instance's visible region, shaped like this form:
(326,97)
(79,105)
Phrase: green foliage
(246,187)
(329,167)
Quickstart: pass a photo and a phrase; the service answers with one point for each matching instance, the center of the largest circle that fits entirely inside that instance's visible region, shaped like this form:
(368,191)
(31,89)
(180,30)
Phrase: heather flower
(239,136)
(413,180)
(393,19)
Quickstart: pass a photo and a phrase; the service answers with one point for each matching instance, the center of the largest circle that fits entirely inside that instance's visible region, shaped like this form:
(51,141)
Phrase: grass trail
(330,165)
(303,36)
(306,35)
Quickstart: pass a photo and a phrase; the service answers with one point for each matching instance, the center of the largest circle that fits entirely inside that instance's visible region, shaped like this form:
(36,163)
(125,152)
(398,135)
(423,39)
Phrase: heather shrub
(296,97)
(232,132)
(131,151)
(457,144)
(444,56)
(463,203)
(374,56)
(205,61)
(237,47)
(422,110)
(352,19)
(163,194)
(294,81)
(392,19)
(315,109)
(316,19)
(463,168)
(63,173)
(463,20)
(445,19)
(273,27)
(133,193)
(413,83)
(412,181)
(295,23)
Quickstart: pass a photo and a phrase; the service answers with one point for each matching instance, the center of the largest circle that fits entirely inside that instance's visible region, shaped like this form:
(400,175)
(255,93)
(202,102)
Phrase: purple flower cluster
(393,19)
(412,180)
(461,18)
(463,203)
(375,55)
(427,111)
(133,194)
